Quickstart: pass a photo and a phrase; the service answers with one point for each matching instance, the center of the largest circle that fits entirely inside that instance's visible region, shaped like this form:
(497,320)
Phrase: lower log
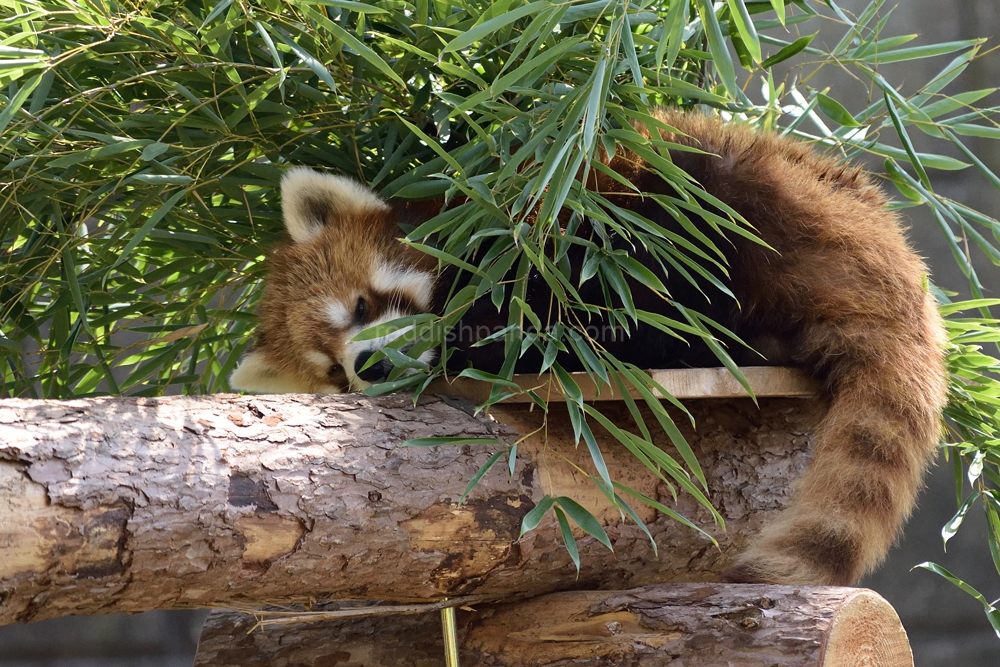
(694,625)
(135,504)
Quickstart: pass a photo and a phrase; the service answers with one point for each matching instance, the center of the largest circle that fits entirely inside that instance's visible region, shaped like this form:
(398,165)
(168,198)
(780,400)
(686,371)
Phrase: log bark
(694,625)
(136,504)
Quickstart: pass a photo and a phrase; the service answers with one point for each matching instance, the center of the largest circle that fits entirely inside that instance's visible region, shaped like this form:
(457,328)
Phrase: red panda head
(344,271)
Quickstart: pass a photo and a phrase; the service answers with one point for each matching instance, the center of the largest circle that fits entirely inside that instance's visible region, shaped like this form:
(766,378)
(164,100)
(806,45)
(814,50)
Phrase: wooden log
(135,504)
(694,625)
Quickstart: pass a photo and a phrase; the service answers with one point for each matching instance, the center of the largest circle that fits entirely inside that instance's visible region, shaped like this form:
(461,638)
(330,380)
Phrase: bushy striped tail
(886,389)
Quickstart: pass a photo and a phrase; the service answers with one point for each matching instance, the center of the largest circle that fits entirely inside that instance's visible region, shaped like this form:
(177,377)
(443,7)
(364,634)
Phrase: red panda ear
(311,200)
(255,374)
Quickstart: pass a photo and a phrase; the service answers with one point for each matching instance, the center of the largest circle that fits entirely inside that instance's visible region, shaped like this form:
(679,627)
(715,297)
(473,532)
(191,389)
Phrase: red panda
(838,293)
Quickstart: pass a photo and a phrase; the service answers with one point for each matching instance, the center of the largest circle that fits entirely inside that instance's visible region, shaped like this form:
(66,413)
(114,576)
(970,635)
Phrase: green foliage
(141,146)
(973,415)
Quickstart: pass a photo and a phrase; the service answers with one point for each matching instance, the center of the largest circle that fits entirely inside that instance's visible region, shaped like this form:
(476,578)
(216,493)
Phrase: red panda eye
(361,310)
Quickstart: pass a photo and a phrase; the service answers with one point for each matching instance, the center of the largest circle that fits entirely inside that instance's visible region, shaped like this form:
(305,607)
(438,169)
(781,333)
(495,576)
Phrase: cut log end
(866,631)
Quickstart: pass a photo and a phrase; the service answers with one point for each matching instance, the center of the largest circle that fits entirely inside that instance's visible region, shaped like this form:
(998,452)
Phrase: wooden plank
(766,381)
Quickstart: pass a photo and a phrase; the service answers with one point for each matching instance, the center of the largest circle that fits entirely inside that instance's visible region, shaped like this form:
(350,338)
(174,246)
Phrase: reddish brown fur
(855,293)
(302,277)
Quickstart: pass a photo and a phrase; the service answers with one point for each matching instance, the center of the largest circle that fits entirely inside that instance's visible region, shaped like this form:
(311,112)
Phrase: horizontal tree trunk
(694,625)
(136,504)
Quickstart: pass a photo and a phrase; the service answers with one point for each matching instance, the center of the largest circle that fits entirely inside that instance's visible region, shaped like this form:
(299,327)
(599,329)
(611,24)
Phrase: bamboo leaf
(779,9)
(717,43)
(673,34)
(148,226)
(483,469)
(950,528)
(744,24)
(102,152)
(309,61)
(583,518)
(992,613)
(534,516)
(836,111)
(568,540)
(917,52)
(14,104)
(478,32)
(370,56)
(788,51)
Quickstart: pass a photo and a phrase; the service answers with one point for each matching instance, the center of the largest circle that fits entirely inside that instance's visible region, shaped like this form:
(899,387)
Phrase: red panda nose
(377,372)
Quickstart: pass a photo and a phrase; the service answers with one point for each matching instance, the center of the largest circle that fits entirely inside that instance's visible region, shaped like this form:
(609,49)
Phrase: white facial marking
(417,285)
(318,358)
(337,314)
(254,373)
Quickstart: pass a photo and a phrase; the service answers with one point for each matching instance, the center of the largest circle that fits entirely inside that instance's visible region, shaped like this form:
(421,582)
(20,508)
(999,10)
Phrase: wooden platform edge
(683,383)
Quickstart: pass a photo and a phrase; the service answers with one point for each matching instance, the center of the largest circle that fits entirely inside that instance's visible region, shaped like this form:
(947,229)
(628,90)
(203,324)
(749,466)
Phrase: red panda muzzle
(377,372)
